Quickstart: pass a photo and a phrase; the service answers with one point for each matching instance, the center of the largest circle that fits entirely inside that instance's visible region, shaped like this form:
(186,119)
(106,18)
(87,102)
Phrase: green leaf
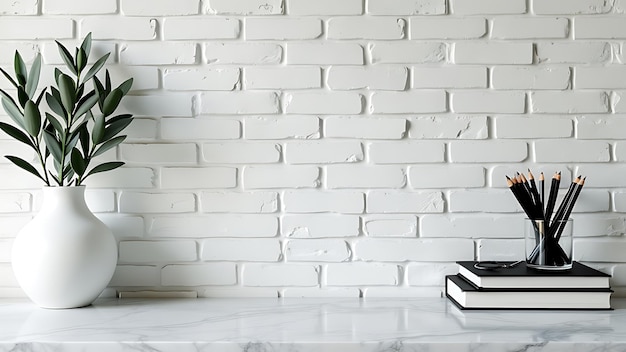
(97,66)
(33,77)
(107,81)
(116,127)
(20,69)
(99,92)
(25,165)
(8,76)
(126,85)
(55,123)
(81,60)
(55,105)
(41,95)
(83,135)
(16,134)
(72,142)
(67,88)
(14,112)
(112,101)
(86,104)
(108,166)
(109,144)
(32,119)
(22,97)
(97,132)
(67,57)
(86,45)
(77,162)
(53,145)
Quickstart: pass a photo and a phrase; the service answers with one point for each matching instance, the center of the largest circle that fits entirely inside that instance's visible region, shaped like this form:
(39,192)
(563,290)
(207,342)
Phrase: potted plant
(65,256)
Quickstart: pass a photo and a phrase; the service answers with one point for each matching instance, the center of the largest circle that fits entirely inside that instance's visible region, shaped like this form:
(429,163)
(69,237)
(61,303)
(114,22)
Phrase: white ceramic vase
(65,256)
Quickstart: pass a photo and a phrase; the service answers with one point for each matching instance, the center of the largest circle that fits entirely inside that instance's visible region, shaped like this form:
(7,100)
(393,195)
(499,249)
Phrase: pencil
(554,189)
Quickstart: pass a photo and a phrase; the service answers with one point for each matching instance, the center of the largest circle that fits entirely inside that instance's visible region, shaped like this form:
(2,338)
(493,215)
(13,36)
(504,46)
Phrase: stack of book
(520,287)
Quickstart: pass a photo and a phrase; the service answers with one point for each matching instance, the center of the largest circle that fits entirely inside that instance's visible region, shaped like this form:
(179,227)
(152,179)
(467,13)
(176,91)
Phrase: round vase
(65,256)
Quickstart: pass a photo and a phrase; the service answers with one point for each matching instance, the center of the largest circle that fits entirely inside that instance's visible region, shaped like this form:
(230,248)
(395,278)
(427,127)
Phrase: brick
(280,275)
(497,249)
(199,274)
(244,7)
(573,52)
(139,202)
(618,103)
(127,28)
(447,28)
(175,105)
(158,53)
(299,176)
(144,78)
(160,153)
(135,275)
(317,250)
(406,53)
(239,202)
(201,79)
(317,152)
(131,177)
(449,127)
(240,249)
(196,128)
(124,226)
(5,251)
(391,225)
(325,7)
(484,7)
(323,202)
(570,7)
(239,103)
(283,28)
(362,274)
(599,78)
(282,77)
(449,77)
(464,201)
(12,224)
(472,226)
(323,103)
(100,201)
(15,202)
(572,151)
(240,153)
(429,274)
(619,199)
(199,28)
(15,178)
(602,27)
(446,176)
(599,250)
(513,77)
(157,251)
(493,151)
(303,292)
(365,127)
(160,8)
(594,225)
(404,202)
(367,77)
(283,127)
(324,53)
(319,225)
(406,7)
(141,129)
(7,52)
(358,176)
(569,102)
(408,102)
(243,53)
(592,201)
(529,28)
(488,101)
(406,152)
(214,225)
(381,28)
(196,177)
(21,7)
(620,151)
(31,28)
(507,53)
(13,147)
(399,250)
(524,127)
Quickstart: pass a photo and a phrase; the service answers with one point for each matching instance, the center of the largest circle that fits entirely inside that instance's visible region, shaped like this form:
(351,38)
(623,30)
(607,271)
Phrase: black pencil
(554,189)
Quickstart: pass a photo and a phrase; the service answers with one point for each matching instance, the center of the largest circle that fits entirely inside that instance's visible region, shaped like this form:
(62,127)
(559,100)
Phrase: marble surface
(304,325)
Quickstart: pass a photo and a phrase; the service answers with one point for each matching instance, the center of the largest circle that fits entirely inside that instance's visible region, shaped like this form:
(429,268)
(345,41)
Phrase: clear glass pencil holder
(548,245)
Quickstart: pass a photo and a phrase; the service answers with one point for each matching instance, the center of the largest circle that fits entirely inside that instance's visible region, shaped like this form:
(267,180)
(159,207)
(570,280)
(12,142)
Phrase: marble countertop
(304,325)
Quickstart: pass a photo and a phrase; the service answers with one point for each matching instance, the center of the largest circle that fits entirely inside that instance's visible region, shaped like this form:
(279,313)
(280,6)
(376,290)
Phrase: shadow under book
(520,287)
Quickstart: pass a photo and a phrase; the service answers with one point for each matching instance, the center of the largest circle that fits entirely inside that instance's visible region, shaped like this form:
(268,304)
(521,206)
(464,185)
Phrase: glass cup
(548,245)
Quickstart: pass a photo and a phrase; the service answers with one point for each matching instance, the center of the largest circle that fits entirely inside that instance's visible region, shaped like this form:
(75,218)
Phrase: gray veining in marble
(304,325)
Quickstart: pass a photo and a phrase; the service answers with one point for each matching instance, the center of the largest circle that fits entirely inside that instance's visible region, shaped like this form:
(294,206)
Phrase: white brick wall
(336,148)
